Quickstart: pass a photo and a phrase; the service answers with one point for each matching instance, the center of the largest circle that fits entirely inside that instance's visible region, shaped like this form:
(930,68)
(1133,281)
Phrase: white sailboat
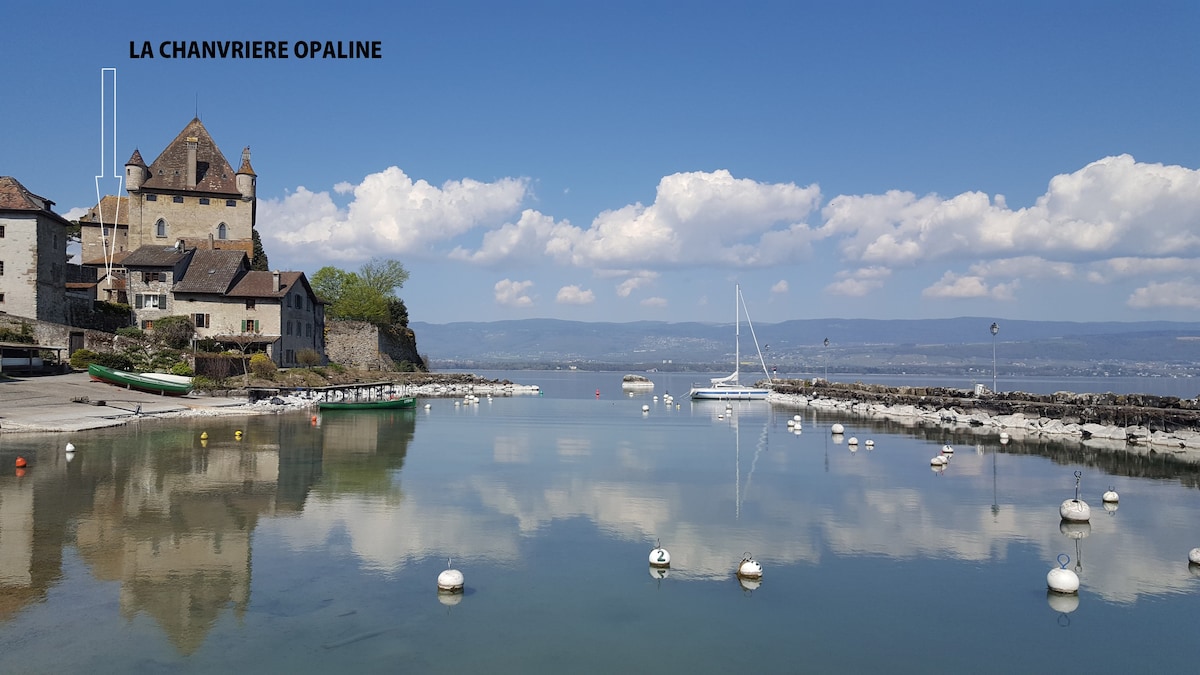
(728,387)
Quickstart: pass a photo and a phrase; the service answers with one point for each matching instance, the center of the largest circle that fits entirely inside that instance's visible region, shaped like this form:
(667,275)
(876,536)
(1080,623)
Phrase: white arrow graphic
(117,178)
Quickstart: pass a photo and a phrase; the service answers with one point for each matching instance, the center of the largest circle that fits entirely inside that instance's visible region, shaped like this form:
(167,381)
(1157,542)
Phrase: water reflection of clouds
(877,504)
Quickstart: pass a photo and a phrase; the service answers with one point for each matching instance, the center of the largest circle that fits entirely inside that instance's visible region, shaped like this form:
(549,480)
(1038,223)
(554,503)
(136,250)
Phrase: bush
(82,358)
(131,332)
(209,346)
(308,358)
(111,360)
(262,366)
(204,383)
(174,331)
(183,369)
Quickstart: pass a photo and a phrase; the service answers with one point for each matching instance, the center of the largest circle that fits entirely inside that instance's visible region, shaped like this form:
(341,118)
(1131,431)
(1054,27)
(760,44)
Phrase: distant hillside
(860,345)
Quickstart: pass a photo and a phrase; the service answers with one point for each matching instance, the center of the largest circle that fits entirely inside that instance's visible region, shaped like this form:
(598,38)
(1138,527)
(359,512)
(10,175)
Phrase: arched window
(222,231)
(160,228)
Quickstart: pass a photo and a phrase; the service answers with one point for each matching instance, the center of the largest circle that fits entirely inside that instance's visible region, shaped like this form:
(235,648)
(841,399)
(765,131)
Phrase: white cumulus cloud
(512,293)
(574,295)
(780,286)
(390,214)
(859,282)
(953,285)
(1183,293)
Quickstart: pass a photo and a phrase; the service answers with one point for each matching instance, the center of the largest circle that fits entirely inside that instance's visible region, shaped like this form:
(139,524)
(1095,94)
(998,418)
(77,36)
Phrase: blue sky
(623,161)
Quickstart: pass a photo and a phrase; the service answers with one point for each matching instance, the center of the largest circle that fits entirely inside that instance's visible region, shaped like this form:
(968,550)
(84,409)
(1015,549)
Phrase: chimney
(275,281)
(191,160)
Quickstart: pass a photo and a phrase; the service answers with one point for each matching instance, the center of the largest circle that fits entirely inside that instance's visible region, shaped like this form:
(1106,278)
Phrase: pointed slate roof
(136,159)
(213,272)
(213,173)
(245,167)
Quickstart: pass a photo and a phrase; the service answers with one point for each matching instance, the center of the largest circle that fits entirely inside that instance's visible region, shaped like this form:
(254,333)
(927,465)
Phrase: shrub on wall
(111,360)
(82,358)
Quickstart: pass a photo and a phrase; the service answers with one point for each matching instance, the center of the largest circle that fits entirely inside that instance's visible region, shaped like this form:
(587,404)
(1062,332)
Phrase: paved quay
(49,403)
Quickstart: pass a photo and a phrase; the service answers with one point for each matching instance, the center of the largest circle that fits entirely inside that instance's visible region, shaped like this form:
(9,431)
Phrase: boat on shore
(401,403)
(153,383)
(728,387)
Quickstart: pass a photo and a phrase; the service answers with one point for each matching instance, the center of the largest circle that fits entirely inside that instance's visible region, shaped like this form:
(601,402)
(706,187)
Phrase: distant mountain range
(857,345)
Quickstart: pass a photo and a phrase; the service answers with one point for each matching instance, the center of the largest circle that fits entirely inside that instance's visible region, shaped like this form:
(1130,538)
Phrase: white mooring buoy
(870,443)
(1063,603)
(853,440)
(70,447)
(645,408)
(450,580)
(749,568)
(837,429)
(940,460)
(659,557)
(1075,510)
(1110,497)
(1194,556)
(946,449)
(1062,580)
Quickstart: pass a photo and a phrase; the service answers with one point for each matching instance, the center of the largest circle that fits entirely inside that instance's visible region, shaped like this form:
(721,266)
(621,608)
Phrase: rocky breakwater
(1139,422)
(459,384)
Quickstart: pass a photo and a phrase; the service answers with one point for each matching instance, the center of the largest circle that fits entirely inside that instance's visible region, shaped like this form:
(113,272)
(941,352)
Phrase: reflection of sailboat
(729,387)
(739,490)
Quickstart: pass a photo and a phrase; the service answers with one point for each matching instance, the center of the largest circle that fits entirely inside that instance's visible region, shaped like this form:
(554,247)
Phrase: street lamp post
(995,329)
(825,354)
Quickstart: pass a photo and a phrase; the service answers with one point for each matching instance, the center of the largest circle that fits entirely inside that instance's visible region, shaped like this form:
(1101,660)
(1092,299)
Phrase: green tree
(174,331)
(368,295)
(258,261)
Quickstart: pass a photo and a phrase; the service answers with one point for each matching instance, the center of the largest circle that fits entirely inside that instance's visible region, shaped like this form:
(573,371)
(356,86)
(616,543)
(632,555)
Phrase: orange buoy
(21,462)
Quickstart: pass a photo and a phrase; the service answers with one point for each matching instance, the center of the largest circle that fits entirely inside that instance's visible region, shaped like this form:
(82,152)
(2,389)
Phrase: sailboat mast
(737,331)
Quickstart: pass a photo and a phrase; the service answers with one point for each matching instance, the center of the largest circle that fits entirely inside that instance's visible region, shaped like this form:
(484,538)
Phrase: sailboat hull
(730,393)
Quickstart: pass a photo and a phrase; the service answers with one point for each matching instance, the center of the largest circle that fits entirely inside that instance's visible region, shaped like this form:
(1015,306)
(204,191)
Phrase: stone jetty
(1134,422)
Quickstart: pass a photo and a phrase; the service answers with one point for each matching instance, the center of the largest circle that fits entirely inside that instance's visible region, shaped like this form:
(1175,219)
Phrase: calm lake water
(315,548)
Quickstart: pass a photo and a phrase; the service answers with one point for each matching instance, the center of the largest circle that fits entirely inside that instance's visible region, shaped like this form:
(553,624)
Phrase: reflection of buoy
(70,447)
(659,573)
(204,435)
(749,568)
(21,462)
(1110,507)
(1075,530)
(1194,568)
(1003,436)
(837,429)
(238,434)
(20,473)
(659,557)
(1062,603)
(450,599)
(1110,497)
(450,580)
(1194,556)
(70,456)
(204,442)
(1062,580)
(749,585)
(597,393)
(314,420)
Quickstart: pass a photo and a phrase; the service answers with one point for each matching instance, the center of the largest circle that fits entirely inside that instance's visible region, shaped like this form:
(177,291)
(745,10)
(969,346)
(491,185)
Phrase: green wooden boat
(138,381)
(373,404)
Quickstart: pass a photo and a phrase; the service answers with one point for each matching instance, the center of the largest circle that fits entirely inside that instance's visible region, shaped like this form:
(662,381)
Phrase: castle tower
(136,172)
(246,177)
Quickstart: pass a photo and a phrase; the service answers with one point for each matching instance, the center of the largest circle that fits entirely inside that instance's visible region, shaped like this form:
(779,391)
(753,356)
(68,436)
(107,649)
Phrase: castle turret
(136,172)
(246,176)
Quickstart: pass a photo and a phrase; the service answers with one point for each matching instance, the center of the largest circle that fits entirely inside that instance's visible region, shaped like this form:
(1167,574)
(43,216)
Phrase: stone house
(33,254)
(150,274)
(275,312)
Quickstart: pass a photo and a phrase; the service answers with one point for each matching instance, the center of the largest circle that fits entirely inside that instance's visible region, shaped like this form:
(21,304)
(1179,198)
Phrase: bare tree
(242,341)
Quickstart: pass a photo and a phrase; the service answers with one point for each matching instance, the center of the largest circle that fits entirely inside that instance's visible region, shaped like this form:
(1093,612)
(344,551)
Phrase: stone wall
(358,344)
(49,334)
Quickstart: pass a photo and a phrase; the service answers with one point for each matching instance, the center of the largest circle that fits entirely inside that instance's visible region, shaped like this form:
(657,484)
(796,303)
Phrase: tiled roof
(213,173)
(136,159)
(155,256)
(117,258)
(14,197)
(109,204)
(257,284)
(212,272)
